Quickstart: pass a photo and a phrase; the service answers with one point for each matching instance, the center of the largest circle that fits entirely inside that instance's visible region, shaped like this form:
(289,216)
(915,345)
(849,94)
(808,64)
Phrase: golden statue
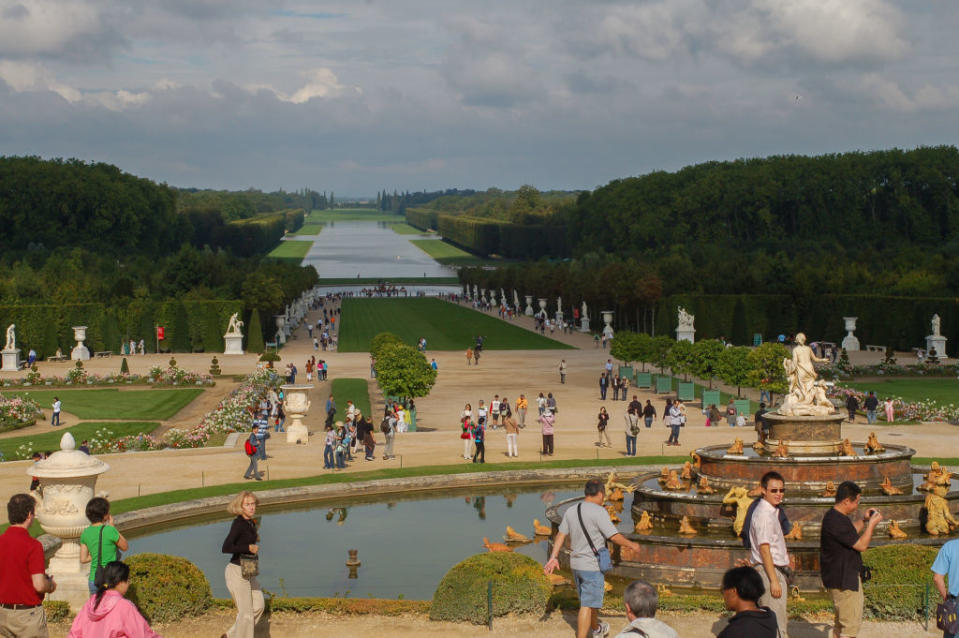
(782,450)
(739,497)
(736,447)
(512,536)
(687,474)
(758,445)
(685,527)
(664,591)
(794,595)
(615,495)
(704,487)
(888,488)
(939,519)
(873,446)
(895,532)
(541,530)
(612,513)
(673,482)
(697,460)
(557,580)
(846,448)
(663,475)
(938,476)
(612,483)
(795,534)
(829,491)
(756,491)
(644,524)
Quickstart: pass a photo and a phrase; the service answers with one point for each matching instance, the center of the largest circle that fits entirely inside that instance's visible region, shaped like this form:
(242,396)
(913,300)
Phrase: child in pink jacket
(108,613)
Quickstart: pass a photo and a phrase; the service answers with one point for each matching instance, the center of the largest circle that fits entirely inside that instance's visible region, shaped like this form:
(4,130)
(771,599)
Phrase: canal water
(406,543)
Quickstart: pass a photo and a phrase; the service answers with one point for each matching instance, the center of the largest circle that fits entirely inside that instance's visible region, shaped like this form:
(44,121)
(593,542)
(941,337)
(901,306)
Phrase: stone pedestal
(80,352)
(67,480)
(559,316)
(280,329)
(686,334)
(850,342)
(11,360)
(584,324)
(529,305)
(932,341)
(234,344)
(805,434)
(296,405)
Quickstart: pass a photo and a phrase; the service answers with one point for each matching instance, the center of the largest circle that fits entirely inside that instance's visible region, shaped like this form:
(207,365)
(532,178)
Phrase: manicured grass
(941,390)
(365,281)
(445,326)
(355,390)
(291,249)
(352,214)
(112,404)
(309,229)
(84,431)
(403,228)
(451,255)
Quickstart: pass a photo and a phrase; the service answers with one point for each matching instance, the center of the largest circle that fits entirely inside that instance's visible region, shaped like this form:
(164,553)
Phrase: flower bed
(104,441)
(17,413)
(169,376)
(904,410)
(889,370)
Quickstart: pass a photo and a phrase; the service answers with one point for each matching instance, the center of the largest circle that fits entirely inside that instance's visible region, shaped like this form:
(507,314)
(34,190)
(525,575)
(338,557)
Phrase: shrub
(57,610)
(167,588)
(269,356)
(899,576)
(215,367)
(382,340)
(519,586)
(124,366)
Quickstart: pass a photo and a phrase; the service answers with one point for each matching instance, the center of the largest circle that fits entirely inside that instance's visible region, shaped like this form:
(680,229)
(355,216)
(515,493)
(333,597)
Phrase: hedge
(422,219)
(257,235)
(167,588)
(900,574)
(485,236)
(479,236)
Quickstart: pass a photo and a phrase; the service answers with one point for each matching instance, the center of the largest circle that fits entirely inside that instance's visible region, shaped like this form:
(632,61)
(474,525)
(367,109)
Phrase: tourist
(280,417)
(369,443)
(107,612)
(666,409)
(852,405)
(947,564)
(767,548)
(609,368)
(479,441)
(603,386)
(890,409)
(551,403)
(330,410)
(389,431)
(541,403)
(624,387)
(602,424)
(871,404)
(521,406)
(372,367)
(512,435)
(742,588)
(841,544)
(101,542)
(434,365)
(713,416)
(632,429)
(242,542)
(262,434)
(505,410)
(675,422)
(547,421)
(329,443)
(340,446)
(562,371)
(481,413)
(55,419)
(731,413)
(494,412)
(23,578)
(316,344)
(636,406)
(588,527)
(466,433)
(308,369)
(641,601)
(84,446)
(250,447)
(761,424)
(649,413)
(469,357)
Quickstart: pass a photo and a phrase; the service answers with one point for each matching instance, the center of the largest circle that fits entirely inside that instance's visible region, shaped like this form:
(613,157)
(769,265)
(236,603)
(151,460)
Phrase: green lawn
(451,255)
(309,229)
(51,440)
(363,281)
(355,390)
(291,249)
(941,390)
(446,326)
(403,228)
(352,214)
(113,404)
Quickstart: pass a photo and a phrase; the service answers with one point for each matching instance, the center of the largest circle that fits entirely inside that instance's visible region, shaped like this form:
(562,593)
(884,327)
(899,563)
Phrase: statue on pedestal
(233,328)
(806,397)
(685,319)
(936,325)
(11,337)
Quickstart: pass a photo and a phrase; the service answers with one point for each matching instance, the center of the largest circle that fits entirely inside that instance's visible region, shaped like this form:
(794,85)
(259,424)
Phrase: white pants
(512,447)
(248,598)
(467,448)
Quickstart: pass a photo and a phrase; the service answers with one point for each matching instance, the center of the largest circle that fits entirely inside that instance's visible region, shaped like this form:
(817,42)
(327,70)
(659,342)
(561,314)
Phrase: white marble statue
(936,325)
(559,304)
(235,324)
(806,397)
(515,300)
(584,313)
(11,337)
(685,319)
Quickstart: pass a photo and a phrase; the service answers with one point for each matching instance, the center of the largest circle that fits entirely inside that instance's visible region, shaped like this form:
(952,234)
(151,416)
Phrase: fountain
(806,446)
(297,405)
(67,482)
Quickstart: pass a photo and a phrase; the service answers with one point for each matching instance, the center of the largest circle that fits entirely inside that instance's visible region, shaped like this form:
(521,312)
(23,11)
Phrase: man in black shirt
(852,404)
(841,545)
(635,406)
(649,413)
(742,587)
(871,403)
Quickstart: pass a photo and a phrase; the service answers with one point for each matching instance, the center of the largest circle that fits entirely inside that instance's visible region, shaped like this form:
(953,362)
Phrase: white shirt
(765,528)
(56,406)
(494,406)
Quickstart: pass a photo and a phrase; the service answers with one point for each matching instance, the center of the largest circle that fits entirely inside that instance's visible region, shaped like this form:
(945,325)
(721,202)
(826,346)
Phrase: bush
(899,576)
(215,367)
(124,366)
(269,356)
(167,588)
(382,340)
(519,586)
(57,610)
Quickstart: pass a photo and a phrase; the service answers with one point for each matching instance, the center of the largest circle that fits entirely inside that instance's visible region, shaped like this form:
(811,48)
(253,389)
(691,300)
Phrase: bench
(60,357)
(876,348)
(103,354)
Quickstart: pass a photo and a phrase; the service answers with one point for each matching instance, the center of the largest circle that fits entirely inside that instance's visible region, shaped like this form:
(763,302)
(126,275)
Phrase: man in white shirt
(767,546)
(494,412)
(55,419)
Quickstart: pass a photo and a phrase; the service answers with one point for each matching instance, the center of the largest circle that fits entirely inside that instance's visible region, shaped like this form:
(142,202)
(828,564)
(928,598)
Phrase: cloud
(888,93)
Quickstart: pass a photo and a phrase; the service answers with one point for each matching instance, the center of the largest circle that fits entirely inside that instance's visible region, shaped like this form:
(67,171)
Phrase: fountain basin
(805,434)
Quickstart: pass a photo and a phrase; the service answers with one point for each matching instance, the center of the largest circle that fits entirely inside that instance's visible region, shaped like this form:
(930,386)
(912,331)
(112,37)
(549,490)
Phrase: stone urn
(297,403)
(607,321)
(280,325)
(68,479)
(80,351)
(529,305)
(542,308)
(850,342)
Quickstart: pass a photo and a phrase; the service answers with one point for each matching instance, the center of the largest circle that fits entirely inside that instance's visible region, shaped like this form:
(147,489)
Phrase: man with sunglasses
(768,553)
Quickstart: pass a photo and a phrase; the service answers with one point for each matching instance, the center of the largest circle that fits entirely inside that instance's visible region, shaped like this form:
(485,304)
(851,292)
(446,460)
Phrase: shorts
(848,606)
(589,588)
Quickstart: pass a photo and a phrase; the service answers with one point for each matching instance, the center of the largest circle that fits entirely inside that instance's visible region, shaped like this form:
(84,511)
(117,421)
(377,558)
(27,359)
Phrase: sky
(429,94)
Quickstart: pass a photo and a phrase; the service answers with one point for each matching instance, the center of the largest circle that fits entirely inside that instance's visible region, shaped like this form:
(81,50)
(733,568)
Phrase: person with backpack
(101,542)
(108,612)
(249,446)
(632,430)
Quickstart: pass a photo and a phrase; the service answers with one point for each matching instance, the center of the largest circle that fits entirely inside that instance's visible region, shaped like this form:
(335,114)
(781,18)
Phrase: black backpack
(385,426)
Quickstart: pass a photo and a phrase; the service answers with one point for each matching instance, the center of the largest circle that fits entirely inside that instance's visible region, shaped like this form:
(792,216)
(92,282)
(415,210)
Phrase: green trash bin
(644,380)
(664,385)
(626,371)
(687,391)
(711,397)
(757,339)
(742,407)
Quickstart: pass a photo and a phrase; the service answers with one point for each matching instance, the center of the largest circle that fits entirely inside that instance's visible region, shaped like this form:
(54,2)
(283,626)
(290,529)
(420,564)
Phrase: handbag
(249,565)
(947,615)
(602,554)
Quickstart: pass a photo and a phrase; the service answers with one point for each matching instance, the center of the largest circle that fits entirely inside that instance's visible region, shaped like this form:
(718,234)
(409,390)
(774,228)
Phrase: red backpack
(250,448)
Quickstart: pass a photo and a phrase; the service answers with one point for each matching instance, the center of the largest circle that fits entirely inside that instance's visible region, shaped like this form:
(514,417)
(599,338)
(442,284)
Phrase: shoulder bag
(249,562)
(947,615)
(601,554)
(98,573)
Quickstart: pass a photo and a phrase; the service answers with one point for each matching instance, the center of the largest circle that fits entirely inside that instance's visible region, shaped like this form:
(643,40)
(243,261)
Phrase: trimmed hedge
(900,574)
(167,588)
(479,236)
(422,219)
(519,586)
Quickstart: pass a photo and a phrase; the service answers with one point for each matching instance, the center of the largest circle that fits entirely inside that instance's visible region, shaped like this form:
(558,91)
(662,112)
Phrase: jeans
(252,472)
(55,419)
(279,425)
(674,433)
(328,457)
(648,420)
(389,445)
(562,377)
(548,444)
(480,452)
(602,392)
(630,445)
(871,416)
(261,447)
(340,463)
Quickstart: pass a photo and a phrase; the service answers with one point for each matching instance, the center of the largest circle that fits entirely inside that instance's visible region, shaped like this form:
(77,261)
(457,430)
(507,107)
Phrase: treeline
(397,202)
(245,204)
(243,237)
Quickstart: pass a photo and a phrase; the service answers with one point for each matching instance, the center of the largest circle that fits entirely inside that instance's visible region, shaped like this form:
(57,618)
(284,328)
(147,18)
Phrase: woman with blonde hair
(243,543)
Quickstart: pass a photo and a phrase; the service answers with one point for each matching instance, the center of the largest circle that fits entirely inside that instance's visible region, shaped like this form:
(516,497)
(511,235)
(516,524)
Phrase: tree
(403,371)
(660,347)
(262,291)
(681,358)
(645,350)
(254,335)
(766,368)
(625,347)
(734,367)
(383,340)
(706,359)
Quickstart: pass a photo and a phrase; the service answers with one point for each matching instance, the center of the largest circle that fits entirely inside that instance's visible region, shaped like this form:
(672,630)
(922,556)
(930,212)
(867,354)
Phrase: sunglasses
(775,490)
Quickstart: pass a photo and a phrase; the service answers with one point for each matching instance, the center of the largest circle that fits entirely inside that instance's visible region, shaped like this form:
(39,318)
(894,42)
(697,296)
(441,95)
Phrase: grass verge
(940,390)
(446,326)
(290,249)
(355,390)
(111,403)
(51,440)
(451,255)
(352,214)
(309,229)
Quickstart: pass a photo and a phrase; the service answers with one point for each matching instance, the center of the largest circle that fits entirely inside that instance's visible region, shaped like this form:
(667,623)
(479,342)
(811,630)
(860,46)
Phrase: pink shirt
(115,616)
(547,421)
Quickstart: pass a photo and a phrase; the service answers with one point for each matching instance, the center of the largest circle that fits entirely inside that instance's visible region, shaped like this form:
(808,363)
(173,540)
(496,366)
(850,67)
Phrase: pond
(406,543)
(368,249)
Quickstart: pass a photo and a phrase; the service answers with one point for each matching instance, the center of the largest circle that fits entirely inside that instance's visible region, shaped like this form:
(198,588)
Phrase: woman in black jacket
(243,540)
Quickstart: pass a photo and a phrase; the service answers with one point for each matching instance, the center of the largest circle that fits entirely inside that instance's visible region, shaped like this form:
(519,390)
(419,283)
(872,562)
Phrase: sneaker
(602,630)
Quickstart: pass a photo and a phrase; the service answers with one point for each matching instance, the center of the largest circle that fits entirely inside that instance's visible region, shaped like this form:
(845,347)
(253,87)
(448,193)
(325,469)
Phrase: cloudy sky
(425,94)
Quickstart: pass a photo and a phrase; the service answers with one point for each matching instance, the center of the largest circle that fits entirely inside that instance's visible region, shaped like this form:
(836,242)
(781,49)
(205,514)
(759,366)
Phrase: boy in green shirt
(98,513)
